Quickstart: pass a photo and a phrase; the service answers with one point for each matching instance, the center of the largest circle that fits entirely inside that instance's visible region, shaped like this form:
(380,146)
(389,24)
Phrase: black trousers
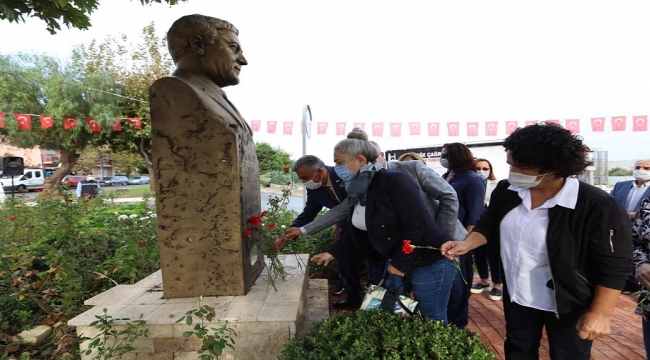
(524,331)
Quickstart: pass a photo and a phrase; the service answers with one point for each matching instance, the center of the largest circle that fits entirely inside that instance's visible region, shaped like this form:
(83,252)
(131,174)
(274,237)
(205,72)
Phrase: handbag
(378,297)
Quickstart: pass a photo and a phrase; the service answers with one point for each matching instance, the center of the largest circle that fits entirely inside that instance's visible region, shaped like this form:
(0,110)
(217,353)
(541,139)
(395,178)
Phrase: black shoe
(337,287)
(348,302)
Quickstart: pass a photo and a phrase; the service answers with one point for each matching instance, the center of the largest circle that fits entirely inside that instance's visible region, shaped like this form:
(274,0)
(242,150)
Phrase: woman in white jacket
(484,170)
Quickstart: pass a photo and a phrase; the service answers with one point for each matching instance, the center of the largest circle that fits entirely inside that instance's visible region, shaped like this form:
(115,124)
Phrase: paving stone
(90,315)
(279,311)
(36,335)
(117,295)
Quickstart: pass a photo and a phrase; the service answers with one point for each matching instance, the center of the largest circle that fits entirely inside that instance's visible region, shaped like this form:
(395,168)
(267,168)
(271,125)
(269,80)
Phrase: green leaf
(188,334)
(188,320)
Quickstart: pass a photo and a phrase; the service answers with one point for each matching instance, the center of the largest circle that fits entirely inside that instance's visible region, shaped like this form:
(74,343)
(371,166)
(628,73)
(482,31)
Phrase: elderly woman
(564,245)
(388,211)
(641,239)
(411,156)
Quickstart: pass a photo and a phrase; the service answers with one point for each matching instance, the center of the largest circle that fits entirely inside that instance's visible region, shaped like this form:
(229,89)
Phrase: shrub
(382,335)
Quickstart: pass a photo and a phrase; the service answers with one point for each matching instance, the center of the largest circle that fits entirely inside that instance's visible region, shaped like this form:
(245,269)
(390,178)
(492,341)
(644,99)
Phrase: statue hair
(207,27)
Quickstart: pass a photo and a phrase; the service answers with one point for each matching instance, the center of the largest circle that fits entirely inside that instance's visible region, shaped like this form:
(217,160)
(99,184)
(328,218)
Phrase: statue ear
(198,44)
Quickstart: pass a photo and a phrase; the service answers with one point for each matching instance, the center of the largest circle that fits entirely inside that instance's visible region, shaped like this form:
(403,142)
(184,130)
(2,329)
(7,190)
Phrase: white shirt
(634,196)
(359,217)
(523,247)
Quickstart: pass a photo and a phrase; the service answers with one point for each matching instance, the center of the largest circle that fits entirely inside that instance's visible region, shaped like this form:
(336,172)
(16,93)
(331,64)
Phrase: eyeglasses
(484,169)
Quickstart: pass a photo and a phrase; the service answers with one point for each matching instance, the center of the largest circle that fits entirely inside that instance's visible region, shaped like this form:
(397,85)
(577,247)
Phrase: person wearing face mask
(483,169)
(631,192)
(565,247)
(324,189)
(88,188)
(385,210)
(459,161)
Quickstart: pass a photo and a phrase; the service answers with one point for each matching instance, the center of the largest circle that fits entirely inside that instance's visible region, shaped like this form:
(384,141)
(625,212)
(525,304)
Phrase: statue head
(207,45)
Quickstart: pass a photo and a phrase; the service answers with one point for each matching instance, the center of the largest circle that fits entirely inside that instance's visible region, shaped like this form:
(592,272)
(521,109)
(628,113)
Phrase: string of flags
(24,122)
(454,128)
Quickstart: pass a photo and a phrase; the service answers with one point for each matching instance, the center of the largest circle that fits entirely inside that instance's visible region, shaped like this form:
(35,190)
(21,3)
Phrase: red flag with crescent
(472,128)
(24,121)
(378,129)
(433,128)
(395,129)
(511,126)
(598,124)
(360,125)
(136,122)
(93,125)
(46,122)
(491,128)
(340,128)
(322,128)
(572,125)
(270,126)
(2,121)
(640,123)
(117,126)
(414,128)
(618,123)
(452,128)
(69,122)
(288,127)
(255,125)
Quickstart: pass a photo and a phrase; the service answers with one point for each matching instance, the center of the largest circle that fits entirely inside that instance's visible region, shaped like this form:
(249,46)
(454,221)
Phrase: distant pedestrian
(88,188)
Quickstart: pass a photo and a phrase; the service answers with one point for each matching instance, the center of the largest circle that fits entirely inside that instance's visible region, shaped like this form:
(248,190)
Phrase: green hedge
(364,335)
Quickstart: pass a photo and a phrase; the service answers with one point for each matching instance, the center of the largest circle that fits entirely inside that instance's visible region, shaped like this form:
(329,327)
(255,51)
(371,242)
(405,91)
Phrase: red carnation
(264,213)
(285,169)
(407,248)
(247,233)
(255,220)
(12,218)
(271,226)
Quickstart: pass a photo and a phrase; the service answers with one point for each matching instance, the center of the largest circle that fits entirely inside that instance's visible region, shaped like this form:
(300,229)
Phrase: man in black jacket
(564,246)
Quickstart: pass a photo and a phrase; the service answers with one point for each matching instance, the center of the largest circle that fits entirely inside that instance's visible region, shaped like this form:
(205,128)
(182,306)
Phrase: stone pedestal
(264,319)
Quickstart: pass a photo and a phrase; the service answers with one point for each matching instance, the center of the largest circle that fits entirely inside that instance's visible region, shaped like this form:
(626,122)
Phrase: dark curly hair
(548,147)
(460,157)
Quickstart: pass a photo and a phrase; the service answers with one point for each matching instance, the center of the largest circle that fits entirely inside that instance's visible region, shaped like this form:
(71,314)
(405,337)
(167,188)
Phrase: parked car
(104,181)
(117,180)
(30,180)
(139,180)
(72,180)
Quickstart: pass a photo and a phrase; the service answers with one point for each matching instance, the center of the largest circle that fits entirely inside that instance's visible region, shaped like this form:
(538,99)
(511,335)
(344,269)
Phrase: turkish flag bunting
(288,127)
(360,125)
(24,121)
(117,126)
(434,128)
(395,129)
(136,122)
(378,129)
(640,123)
(270,126)
(414,128)
(553,121)
(452,128)
(572,125)
(511,126)
(598,124)
(93,125)
(531,122)
(322,128)
(255,125)
(618,123)
(46,122)
(69,122)
(2,121)
(472,128)
(491,128)
(340,128)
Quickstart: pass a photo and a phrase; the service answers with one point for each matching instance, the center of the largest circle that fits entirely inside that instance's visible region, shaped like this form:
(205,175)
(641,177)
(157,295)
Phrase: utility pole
(306,133)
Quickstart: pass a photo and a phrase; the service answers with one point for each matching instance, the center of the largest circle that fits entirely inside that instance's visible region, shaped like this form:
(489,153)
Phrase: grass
(133,191)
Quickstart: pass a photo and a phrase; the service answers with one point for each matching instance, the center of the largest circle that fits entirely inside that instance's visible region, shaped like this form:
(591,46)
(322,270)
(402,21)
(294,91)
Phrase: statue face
(224,59)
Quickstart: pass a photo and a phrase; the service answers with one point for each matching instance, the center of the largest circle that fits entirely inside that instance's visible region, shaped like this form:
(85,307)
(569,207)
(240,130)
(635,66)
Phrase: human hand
(642,273)
(632,215)
(322,258)
(451,249)
(279,244)
(292,233)
(394,271)
(592,325)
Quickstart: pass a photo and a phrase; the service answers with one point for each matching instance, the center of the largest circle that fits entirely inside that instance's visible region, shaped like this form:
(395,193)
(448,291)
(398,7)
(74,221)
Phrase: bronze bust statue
(205,166)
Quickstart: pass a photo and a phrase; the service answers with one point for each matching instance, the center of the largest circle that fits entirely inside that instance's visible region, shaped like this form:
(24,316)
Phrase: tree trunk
(51,186)
(147,160)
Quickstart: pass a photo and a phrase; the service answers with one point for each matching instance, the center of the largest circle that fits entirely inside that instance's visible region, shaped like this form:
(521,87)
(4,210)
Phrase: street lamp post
(306,133)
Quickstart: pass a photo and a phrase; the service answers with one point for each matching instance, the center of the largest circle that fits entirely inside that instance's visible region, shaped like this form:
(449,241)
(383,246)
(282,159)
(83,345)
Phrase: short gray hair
(207,27)
(376,146)
(354,147)
(310,161)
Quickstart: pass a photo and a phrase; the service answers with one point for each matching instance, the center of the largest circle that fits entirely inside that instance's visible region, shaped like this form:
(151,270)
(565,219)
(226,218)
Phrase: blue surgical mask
(344,173)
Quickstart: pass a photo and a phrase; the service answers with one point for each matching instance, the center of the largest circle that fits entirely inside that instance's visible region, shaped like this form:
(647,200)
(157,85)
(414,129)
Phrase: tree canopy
(271,158)
(73,13)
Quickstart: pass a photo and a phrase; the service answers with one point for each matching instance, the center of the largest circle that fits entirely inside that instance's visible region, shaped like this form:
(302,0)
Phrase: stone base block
(264,319)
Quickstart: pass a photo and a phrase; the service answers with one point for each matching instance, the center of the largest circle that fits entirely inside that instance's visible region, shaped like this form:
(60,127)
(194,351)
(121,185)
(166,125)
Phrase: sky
(412,61)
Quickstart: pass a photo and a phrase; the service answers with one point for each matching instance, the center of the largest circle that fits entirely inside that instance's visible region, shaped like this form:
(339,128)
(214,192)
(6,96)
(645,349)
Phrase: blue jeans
(645,322)
(458,307)
(376,271)
(431,286)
